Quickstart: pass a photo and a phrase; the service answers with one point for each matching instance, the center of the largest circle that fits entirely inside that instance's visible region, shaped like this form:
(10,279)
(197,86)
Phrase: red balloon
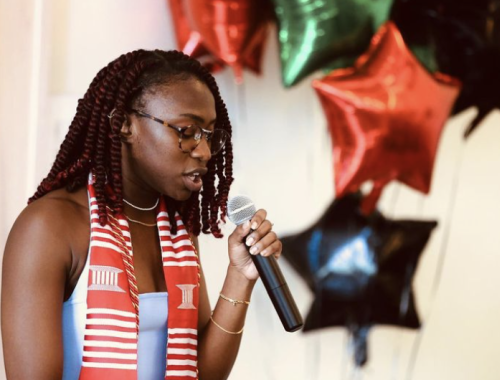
(188,40)
(385,117)
(234,31)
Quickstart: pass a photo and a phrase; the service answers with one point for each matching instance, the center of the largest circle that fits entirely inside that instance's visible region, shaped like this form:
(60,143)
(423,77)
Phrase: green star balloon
(315,34)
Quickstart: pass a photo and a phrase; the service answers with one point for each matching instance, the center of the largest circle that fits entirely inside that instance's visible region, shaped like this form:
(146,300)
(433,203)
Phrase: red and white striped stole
(111,327)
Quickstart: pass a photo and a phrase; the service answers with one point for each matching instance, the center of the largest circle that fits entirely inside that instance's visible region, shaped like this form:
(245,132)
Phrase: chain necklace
(141,223)
(143,208)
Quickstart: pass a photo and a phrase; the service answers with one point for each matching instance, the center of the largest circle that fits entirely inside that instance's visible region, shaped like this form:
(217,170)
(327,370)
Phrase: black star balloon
(463,38)
(360,269)
(469,49)
(481,86)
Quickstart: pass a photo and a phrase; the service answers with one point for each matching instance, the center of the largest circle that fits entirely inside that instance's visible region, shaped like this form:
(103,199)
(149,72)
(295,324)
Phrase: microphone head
(240,209)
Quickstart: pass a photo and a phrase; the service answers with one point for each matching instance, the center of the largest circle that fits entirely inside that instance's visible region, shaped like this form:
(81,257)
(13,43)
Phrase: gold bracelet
(227,331)
(234,302)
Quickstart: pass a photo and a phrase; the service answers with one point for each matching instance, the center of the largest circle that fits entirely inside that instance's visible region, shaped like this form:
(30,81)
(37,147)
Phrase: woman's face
(152,157)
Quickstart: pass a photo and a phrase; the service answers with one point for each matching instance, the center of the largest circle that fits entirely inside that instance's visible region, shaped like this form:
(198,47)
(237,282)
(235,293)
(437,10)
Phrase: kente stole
(112,320)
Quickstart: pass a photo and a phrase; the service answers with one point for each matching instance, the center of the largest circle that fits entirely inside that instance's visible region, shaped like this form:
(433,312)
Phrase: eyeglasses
(190,136)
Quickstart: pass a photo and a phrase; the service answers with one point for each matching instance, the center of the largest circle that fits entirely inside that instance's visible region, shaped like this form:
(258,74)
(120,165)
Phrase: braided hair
(93,141)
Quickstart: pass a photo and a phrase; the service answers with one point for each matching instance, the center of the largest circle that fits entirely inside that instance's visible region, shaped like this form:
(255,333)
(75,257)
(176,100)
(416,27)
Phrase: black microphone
(239,210)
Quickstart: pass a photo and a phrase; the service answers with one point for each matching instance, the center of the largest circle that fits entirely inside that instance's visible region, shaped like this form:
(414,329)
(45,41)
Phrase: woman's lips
(193,182)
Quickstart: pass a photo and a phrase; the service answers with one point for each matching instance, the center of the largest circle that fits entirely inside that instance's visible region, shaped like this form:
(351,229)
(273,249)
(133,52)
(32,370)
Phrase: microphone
(239,210)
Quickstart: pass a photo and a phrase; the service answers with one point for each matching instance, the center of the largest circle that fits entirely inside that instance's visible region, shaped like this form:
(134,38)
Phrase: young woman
(101,274)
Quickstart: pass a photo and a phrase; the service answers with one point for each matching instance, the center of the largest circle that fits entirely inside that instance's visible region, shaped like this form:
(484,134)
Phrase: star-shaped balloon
(233,31)
(481,86)
(465,39)
(360,269)
(315,34)
(385,117)
(188,40)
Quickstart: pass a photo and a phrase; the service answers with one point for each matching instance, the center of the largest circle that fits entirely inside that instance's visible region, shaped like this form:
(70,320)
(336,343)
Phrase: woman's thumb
(242,231)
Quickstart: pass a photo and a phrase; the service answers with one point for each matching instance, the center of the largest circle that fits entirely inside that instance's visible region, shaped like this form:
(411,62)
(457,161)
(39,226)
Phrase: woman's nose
(202,150)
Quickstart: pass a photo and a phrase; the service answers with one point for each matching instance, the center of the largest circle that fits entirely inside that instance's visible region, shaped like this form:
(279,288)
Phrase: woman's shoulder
(59,208)
(45,235)
(54,219)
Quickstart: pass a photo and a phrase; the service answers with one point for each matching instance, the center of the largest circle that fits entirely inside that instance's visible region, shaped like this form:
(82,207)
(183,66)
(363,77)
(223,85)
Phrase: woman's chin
(180,196)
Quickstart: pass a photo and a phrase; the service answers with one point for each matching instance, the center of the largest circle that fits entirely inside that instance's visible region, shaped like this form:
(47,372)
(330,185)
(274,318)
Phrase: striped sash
(112,320)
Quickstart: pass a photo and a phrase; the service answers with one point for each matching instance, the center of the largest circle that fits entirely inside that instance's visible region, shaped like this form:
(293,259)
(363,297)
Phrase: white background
(51,50)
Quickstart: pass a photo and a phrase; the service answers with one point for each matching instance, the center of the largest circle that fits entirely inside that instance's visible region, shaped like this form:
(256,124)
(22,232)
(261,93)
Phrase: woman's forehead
(187,96)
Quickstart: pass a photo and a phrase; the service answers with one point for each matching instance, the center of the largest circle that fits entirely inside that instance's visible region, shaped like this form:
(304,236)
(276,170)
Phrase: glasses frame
(181,130)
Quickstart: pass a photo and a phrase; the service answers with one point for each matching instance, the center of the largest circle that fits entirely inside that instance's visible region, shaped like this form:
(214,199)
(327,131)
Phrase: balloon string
(394,200)
(403,310)
(421,205)
(349,352)
(439,268)
(397,344)
(357,373)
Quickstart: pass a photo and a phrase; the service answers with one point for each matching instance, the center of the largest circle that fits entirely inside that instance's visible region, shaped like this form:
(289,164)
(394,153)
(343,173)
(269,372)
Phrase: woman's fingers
(258,219)
(267,245)
(262,240)
(263,229)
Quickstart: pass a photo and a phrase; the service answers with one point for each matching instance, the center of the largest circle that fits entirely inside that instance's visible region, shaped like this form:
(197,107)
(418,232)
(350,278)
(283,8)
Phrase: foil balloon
(465,39)
(188,40)
(481,86)
(315,34)
(360,269)
(233,31)
(385,117)
(468,40)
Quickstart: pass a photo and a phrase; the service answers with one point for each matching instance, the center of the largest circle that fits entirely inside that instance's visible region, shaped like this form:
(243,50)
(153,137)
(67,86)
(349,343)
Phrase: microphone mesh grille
(240,209)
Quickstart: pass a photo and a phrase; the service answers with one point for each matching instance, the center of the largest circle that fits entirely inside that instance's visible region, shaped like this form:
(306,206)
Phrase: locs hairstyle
(93,140)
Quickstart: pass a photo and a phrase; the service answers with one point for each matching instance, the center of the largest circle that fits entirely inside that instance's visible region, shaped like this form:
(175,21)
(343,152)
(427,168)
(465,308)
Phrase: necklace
(141,223)
(143,208)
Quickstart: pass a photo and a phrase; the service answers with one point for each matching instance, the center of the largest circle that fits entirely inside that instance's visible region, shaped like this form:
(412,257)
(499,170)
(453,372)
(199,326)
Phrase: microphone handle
(278,291)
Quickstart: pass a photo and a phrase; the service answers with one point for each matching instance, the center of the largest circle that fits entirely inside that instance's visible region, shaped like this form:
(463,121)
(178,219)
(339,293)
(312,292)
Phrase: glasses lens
(191,138)
(218,140)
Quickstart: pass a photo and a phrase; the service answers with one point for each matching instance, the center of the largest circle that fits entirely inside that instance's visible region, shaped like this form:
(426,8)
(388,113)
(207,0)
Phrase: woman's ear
(126,129)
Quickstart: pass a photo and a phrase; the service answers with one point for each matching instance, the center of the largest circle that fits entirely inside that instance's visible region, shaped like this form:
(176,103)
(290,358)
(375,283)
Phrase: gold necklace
(141,223)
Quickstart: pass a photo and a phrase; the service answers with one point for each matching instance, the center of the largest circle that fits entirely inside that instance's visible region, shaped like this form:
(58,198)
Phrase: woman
(148,160)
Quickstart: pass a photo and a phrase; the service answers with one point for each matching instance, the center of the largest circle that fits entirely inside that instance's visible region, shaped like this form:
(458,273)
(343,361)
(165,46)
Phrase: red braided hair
(93,142)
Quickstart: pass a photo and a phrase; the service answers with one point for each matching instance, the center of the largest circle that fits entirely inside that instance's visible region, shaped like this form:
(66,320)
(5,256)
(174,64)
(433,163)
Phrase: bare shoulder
(47,231)
(52,217)
(36,266)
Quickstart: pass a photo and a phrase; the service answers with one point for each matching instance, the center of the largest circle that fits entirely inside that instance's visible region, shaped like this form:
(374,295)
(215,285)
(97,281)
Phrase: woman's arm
(36,260)
(220,339)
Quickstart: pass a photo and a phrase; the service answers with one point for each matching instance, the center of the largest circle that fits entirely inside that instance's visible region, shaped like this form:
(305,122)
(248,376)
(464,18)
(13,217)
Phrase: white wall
(57,48)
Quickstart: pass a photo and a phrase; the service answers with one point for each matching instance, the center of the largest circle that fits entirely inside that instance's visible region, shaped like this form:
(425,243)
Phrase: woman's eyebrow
(197,118)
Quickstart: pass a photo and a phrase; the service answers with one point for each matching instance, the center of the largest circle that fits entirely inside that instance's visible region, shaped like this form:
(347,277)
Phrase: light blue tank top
(152,342)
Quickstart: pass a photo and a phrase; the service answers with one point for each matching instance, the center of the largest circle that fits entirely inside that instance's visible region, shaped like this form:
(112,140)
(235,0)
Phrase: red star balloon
(233,31)
(188,40)
(385,117)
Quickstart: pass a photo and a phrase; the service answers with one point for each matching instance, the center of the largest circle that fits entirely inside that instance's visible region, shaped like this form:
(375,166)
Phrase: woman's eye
(190,131)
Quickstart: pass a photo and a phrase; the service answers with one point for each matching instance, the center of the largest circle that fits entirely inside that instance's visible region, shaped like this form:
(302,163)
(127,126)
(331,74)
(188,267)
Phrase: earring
(112,113)
(110,116)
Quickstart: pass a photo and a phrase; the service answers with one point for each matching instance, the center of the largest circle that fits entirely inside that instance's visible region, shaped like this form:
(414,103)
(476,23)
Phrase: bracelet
(234,302)
(227,331)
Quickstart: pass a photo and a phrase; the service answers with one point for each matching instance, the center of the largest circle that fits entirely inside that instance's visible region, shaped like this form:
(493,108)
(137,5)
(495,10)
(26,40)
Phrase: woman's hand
(257,236)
